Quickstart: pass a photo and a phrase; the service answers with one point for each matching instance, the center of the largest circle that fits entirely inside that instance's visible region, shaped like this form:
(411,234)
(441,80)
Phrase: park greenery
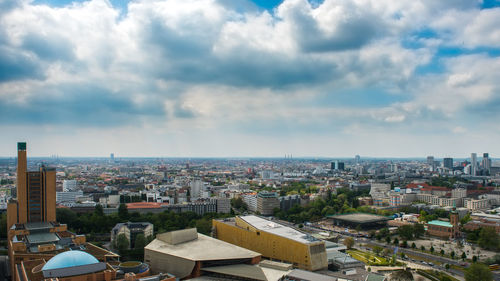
(345,201)
(485,237)
(97,223)
(478,272)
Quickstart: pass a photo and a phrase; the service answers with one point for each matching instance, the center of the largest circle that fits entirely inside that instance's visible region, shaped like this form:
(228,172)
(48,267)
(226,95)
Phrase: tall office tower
(431,163)
(430,160)
(448,163)
(36,193)
(473,164)
(357,159)
(332,165)
(112,158)
(340,166)
(486,163)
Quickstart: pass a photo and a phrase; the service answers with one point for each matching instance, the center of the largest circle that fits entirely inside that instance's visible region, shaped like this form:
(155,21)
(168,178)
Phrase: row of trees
(97,222)
(410,232)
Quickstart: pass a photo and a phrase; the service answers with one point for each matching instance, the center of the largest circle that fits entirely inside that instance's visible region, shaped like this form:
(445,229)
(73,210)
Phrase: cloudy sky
(329,78)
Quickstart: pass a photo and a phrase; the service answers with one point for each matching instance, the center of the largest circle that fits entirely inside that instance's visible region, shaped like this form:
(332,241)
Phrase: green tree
(442,252)
(140,241)
(413,245)
(474,258)
(418,230)
(478,272)
(488,238)
(406,232)
(432,249)
(396,241)
(204,226)
(388,239)
(121,243)
(349,242)
(123,212)
(452,254)
(464,256)
(99,211)
(422,248)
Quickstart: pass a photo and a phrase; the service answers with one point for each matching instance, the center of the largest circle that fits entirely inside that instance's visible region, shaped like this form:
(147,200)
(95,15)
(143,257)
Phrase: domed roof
(70,259)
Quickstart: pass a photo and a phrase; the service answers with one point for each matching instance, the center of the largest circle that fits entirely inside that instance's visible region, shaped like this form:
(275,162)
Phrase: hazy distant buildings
(357,159)
(448,163)
(473,165)
(486,163)
(337,165)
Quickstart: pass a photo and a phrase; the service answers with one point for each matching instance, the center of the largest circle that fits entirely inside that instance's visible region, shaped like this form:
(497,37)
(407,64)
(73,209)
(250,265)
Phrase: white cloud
(168,66)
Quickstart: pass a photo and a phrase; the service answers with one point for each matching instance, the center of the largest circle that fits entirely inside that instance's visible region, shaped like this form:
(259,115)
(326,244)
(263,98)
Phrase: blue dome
(69,259)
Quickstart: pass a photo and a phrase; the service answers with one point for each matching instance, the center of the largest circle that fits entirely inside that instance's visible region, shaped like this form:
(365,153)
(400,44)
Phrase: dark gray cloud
(356,29)
(79,104)
(49,47)
(16,65)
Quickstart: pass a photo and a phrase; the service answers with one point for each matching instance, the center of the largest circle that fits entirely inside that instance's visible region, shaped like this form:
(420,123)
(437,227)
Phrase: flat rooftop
(204,248)
(360,218)
(279,229)
(440,223)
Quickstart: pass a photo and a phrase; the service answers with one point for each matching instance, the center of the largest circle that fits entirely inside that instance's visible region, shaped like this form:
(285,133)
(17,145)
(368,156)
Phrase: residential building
(273,241)
(69,185)
(287,202)
(474,205)
(251,201)
(131,230)
(267,202)
(68,196)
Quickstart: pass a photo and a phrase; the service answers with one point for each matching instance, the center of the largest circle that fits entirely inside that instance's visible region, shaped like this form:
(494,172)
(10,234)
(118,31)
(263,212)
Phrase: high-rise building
(36,193)
(473,165)
(33,233)
(357,159)
(430,160)
(448,163)
(486,163)
(112,157)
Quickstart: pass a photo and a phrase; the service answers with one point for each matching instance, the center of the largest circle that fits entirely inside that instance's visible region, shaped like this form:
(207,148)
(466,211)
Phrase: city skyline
(205,78)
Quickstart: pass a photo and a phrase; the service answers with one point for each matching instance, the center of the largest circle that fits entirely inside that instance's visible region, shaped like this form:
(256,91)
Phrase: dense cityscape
(314,219)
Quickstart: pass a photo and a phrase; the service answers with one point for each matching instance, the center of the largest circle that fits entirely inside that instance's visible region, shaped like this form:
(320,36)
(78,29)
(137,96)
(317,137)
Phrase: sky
(222,78)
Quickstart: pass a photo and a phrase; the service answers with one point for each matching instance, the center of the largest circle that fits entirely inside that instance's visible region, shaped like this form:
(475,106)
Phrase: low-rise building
(273,241)
(267,202)
(473,204)
(186,253)
(131,230)
(444,229)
